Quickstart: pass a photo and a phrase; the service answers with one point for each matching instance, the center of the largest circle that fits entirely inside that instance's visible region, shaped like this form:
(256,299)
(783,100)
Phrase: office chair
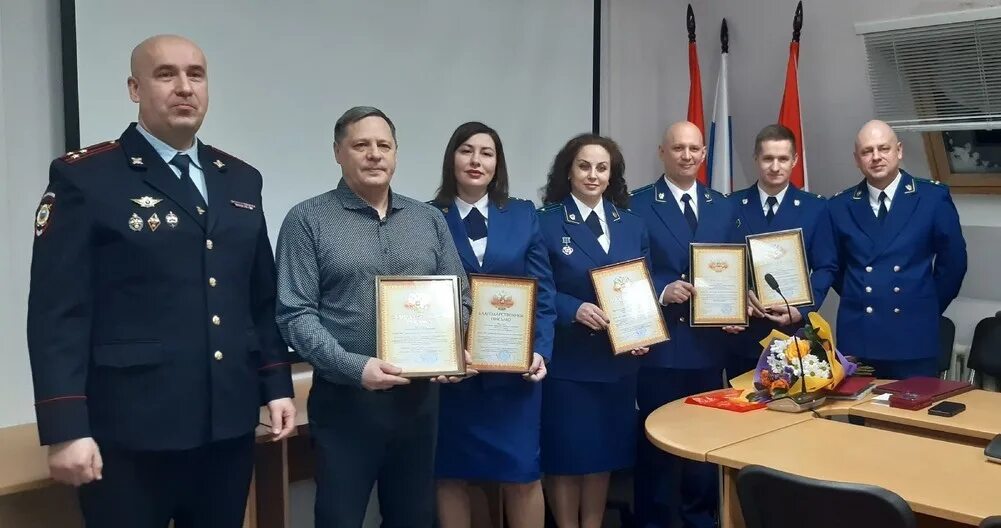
(946,342)
(774,499)
(985,350)
(991,522)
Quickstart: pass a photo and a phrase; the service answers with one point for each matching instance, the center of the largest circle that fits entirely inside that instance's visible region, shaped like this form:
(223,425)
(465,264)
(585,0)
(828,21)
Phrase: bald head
(170,82)
(682,151)
(878,153)
(145,51)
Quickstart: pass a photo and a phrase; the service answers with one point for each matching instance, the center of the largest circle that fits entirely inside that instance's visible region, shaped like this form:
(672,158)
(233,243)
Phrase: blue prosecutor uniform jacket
(514,248)
(580,354)
(670,237)
(895,278)
(799,209)
(151,325)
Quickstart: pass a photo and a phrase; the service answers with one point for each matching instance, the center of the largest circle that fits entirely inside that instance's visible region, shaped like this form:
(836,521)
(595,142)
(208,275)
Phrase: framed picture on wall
(969,161)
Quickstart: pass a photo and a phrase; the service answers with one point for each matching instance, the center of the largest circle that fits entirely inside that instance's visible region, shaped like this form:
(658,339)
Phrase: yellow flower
(793,353)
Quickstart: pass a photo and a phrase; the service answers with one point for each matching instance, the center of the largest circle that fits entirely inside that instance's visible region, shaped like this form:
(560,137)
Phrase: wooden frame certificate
(625,293)
(418,324)
(783,255)
(719,274)
(502,325)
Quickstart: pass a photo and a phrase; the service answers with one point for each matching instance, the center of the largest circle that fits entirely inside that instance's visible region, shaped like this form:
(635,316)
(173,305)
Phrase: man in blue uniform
(151,314)
(677,211)
(772,204)
(901,260)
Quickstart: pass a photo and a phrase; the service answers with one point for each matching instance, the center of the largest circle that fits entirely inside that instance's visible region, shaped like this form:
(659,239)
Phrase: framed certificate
(502,325)
(719,275)
(418,326)
(625,293)
(783,255)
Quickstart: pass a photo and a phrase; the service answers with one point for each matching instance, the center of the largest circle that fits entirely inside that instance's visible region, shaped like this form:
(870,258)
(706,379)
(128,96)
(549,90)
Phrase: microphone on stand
(802,401)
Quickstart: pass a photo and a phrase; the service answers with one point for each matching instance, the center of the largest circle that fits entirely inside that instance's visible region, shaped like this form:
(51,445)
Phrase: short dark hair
(558,184)
(356,114)
(449,188)
(774,133)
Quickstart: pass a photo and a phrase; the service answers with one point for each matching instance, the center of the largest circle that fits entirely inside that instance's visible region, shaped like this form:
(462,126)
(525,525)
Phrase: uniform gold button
(216,320)
(896,310)
(212,281)
(868,309)
(683,277)
(868,289)
(896,268)
(896,289)
(217,355)
(868,269)
(681,319)
(208,244)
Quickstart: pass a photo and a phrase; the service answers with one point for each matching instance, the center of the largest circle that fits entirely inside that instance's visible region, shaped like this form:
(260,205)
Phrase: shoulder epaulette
(74,156)
(641,189)
(224,153)
(926,180)
(550,207)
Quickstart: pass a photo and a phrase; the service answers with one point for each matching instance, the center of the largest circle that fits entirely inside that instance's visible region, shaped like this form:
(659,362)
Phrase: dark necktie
(595,224)
(693,221)
(771,202)
(881,214)
(476,225)
(183,162)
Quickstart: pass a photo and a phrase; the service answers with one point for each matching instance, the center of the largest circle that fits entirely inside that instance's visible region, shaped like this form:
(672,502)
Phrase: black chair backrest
(991,522)
(946,342)
(774,499)
(985,350)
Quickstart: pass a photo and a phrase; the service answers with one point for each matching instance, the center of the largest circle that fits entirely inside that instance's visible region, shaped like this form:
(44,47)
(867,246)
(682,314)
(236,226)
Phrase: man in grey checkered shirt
(367,423)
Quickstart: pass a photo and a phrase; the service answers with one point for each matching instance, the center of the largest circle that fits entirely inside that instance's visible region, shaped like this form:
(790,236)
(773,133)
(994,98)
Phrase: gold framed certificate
(625,293)
(502,326)
(783,255)
(719,274)
(418,324)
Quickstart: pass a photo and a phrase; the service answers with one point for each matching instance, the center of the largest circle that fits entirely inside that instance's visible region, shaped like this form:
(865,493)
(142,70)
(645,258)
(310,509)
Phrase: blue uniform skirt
(588,427)
(488,429)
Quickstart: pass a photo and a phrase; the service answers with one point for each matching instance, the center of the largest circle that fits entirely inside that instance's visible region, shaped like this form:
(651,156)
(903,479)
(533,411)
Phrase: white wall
(31,135)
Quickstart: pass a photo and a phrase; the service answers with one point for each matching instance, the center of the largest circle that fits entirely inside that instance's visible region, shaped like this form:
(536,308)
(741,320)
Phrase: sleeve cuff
(62,419)
(276,382)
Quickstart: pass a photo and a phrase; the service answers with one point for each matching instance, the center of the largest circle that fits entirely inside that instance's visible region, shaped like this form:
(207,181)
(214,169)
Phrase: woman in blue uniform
(489,425)
(589,400)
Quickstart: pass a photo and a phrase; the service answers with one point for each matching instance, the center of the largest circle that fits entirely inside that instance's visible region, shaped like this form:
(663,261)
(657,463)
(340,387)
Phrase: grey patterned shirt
(330,249)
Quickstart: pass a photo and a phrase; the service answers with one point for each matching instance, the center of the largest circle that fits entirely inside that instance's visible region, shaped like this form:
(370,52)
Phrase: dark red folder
(925,388)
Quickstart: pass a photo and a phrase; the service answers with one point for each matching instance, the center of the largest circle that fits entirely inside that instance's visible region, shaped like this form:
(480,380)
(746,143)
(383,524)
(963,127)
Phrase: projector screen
(281,73)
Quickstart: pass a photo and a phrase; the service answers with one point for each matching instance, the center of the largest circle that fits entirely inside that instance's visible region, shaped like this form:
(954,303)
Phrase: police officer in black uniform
(151,314)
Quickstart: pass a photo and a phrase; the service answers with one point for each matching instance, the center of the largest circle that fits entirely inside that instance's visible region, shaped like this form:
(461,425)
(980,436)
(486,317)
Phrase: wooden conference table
(936,464)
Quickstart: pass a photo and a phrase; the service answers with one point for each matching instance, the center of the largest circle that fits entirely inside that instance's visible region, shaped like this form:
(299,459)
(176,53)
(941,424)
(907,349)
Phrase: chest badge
(146,201)
(200,210)
(135,222)
(171,219)
(567,250)
(153,222)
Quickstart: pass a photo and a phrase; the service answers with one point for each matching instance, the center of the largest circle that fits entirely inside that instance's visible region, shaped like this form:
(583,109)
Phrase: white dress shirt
(874,195)
(168,152)
(778,197)
(479,246)
(599,210)
(678,193)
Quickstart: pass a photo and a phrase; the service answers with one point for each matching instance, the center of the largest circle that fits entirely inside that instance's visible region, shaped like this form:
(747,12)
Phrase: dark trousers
(361,438)
(658,495)
(737,365)
(205,487)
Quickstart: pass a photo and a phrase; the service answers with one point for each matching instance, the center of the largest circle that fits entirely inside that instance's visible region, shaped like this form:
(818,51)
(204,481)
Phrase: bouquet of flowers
(809,356)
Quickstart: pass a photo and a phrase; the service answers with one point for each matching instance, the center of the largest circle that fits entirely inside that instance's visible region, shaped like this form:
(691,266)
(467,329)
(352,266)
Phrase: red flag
(789,112)
(695,113)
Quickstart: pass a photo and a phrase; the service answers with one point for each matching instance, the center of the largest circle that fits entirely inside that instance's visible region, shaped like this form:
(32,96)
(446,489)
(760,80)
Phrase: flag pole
(695,110)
